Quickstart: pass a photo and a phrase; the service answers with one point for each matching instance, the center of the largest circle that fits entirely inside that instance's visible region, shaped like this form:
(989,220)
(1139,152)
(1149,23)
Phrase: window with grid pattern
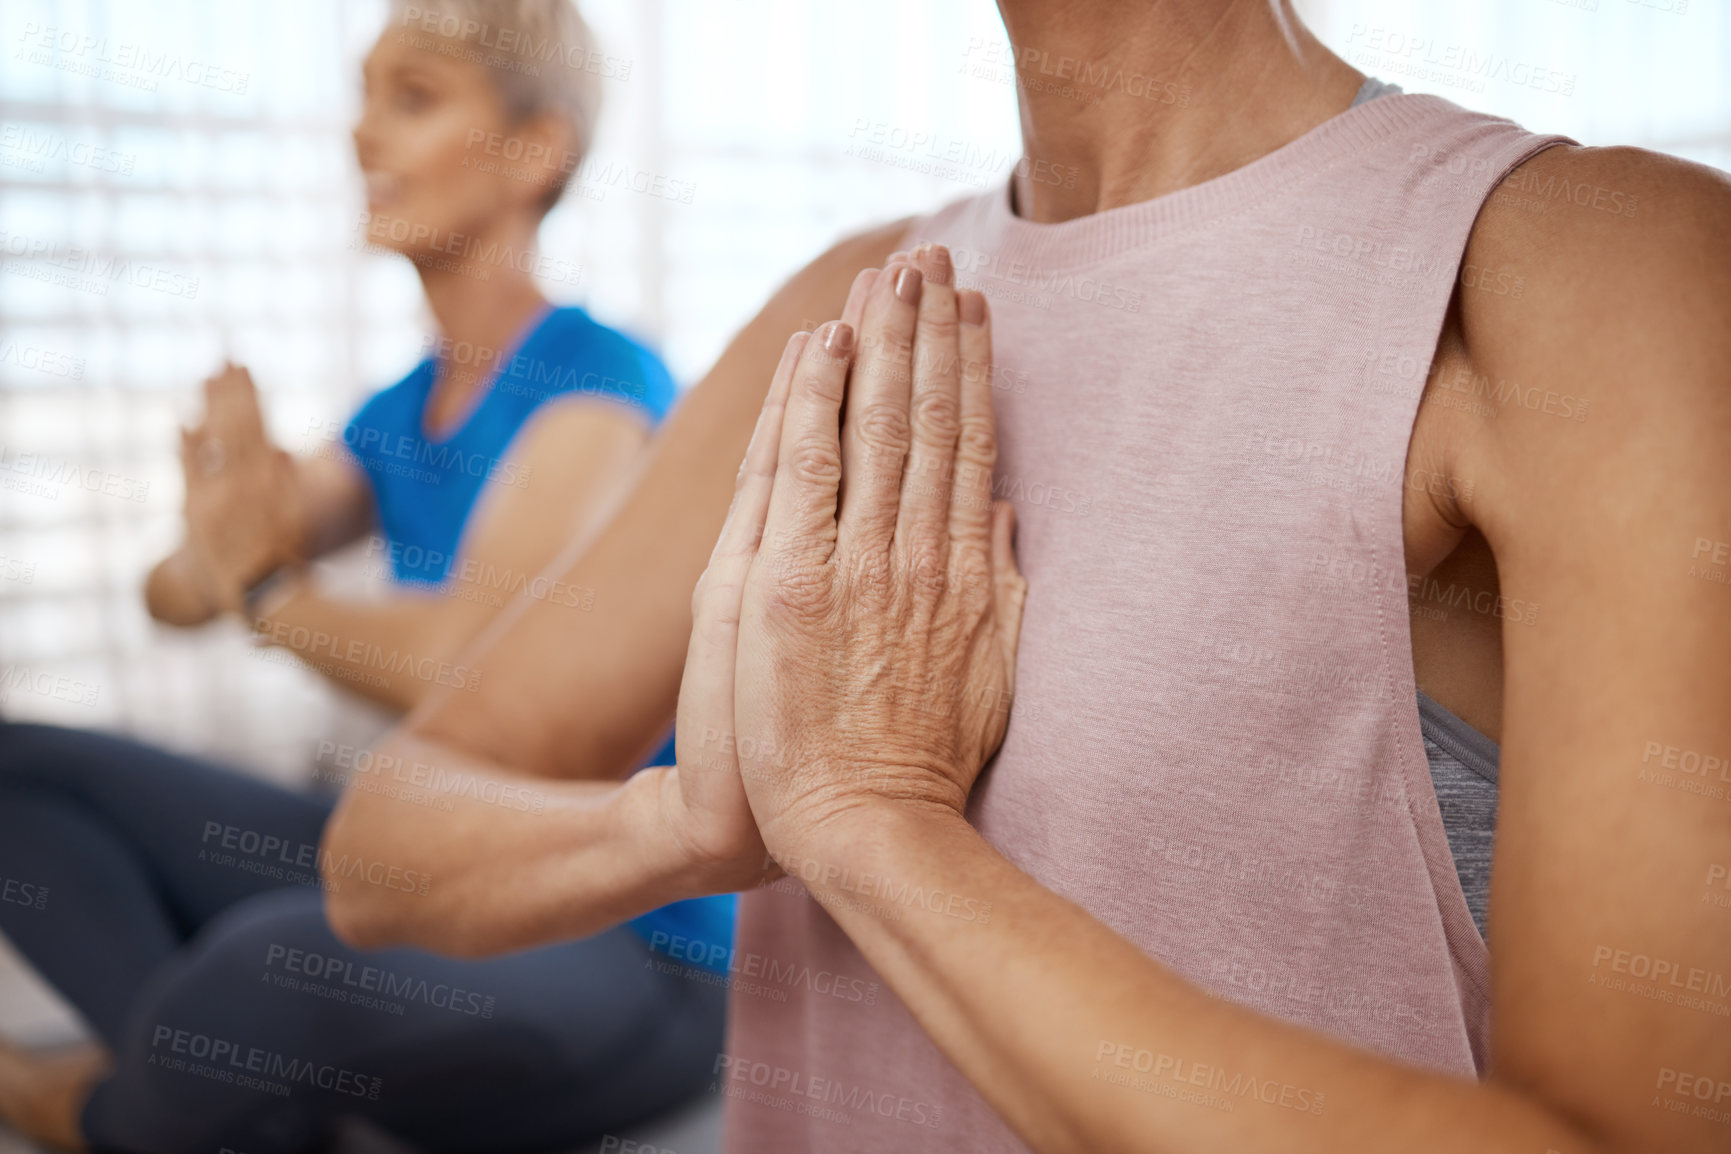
(176,185)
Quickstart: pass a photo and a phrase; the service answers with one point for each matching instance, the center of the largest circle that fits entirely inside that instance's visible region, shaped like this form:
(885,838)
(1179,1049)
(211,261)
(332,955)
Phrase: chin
(412,234)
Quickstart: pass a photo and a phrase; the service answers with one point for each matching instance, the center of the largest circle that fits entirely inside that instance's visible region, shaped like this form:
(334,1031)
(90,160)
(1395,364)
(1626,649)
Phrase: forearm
(509,862)
(1084,1043)
(396,651)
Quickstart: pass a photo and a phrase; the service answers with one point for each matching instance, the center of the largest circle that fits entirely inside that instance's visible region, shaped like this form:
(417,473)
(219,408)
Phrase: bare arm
(576,457)
(520,861)
(506,880)
(590,694)
(1609,833)
(523,861)
(1084,1043)
(338,502)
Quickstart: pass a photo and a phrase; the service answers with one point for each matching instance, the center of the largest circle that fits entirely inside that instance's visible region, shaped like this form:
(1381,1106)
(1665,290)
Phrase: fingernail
(937,264)
(908,285)
(839,340)
(972,307)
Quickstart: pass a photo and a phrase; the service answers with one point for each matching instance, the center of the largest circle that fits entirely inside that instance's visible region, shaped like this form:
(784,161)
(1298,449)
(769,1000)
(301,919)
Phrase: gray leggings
(176,904)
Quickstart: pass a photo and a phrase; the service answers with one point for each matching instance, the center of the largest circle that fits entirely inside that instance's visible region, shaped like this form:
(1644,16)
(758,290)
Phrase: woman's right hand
(704,800)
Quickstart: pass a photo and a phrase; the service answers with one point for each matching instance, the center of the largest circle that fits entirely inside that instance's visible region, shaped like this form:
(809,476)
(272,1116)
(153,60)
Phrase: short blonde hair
(541,55)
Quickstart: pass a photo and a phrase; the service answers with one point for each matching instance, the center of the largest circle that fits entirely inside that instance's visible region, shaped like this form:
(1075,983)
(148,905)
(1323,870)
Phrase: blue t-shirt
(425,490)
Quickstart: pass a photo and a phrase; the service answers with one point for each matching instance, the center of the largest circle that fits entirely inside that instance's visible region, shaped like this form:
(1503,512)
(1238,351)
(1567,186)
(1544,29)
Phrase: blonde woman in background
(476,467)
(187,922)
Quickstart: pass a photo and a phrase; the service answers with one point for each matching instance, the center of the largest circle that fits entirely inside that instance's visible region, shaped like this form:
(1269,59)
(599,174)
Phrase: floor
(31,1014)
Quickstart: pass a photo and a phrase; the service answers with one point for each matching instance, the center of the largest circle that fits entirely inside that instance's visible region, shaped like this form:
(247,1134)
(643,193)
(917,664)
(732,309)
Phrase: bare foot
(43,1093)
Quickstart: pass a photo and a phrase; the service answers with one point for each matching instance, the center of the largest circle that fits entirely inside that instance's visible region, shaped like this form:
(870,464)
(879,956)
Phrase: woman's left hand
(878,632)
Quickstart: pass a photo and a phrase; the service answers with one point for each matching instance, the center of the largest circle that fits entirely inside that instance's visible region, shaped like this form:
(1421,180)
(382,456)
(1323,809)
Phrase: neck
(1124,102)
(485,303)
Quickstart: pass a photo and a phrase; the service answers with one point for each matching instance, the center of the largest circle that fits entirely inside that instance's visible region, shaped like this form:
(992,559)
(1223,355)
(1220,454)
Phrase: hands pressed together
(854,636)
(244,517)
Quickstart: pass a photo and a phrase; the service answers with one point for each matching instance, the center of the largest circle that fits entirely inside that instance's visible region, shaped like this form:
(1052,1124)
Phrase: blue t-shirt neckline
(425,489)
(484,392)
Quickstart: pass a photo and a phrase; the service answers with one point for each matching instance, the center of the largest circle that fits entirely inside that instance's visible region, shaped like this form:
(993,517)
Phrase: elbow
(358,921)
(396,879)
(368,921)
(376,917)
(367,917)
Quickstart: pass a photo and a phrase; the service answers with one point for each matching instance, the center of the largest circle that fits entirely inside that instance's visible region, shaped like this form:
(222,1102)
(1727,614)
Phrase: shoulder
(569,430)
(1596,284)
(603,360)
(392,408)
(585,386)
(1601,234)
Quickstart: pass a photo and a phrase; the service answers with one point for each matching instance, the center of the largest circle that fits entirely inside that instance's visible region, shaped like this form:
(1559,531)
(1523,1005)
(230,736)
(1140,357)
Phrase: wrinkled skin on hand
(243,507)
(878,627)
(708,814)
(707,810)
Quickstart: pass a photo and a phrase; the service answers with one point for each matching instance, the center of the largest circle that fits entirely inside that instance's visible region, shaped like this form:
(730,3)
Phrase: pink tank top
(1204,402)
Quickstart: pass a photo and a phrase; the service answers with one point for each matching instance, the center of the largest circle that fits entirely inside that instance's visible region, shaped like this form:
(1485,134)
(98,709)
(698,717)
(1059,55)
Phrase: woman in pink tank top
(1285,369)
(1203,899)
